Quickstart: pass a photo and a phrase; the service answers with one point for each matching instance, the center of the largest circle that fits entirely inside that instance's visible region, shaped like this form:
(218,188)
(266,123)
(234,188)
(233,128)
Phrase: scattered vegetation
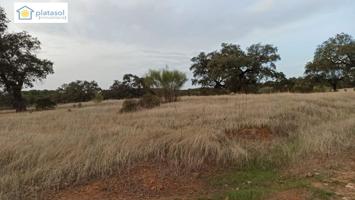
(130,105)
(45,104)
(149,101)
(38,153)
(227,70)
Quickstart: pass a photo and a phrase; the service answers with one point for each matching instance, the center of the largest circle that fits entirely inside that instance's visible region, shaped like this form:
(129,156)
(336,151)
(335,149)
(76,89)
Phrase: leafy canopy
(19,65)
(235,69)
(333,61)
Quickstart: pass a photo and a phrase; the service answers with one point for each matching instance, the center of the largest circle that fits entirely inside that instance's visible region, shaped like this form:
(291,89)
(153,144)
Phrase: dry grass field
(57,149)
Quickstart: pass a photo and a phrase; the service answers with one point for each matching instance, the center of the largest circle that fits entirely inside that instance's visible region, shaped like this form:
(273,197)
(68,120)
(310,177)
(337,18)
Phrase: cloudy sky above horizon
(106,39)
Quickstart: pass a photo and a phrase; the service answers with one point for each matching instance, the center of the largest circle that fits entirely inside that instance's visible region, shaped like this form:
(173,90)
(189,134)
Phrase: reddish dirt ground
(334,174)
(147,182)
(142,182)
(296,194)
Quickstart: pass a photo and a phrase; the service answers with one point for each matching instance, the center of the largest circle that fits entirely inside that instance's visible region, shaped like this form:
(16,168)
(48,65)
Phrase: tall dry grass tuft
(54,149)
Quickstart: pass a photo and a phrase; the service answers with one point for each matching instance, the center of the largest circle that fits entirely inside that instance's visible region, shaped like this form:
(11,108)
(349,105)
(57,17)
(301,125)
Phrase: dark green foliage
(5,100)
(203,92)
(266,90)
(334,61)
(78,91)
(132,86)
(149,101)
(45,104)
(302,85)
(20,66)
(130,105)
(234,69)
(32,96)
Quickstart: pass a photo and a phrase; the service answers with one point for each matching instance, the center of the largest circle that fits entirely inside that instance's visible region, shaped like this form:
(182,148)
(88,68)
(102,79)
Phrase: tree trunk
(334,85)
(19,101)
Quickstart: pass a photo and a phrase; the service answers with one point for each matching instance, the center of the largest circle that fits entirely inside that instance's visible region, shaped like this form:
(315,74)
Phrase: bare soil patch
(294,194)
(141,182)
(334,174)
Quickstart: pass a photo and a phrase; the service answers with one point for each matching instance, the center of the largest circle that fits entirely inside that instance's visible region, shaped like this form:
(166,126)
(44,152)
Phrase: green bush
(45,104)
(98,97)
(130,105)
(321,88)
(266,90)
(149,101)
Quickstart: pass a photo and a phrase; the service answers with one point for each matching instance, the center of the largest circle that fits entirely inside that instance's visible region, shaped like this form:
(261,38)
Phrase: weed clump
(149,101)
(130,105)
(98,98)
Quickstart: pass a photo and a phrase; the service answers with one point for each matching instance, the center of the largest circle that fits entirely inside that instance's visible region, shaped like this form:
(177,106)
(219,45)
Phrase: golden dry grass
(54,149)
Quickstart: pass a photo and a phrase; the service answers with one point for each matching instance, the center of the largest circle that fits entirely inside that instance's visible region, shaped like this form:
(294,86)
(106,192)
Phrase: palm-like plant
(166,80)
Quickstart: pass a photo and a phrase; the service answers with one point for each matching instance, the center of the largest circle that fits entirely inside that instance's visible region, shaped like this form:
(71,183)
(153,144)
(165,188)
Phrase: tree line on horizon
(230,69)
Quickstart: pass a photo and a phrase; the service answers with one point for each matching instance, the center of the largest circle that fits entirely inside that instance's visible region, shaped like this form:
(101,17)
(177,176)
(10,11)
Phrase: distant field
(56,149)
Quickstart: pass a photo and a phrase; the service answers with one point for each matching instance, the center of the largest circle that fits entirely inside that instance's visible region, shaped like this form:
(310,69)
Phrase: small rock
(309,174)
(249,182)
(350,186)
(196,175)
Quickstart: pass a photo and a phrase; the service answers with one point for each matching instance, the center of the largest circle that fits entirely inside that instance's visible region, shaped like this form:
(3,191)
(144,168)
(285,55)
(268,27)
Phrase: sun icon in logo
(25,13)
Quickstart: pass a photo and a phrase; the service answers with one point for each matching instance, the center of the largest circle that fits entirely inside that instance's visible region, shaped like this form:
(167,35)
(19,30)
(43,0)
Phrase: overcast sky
(105,39)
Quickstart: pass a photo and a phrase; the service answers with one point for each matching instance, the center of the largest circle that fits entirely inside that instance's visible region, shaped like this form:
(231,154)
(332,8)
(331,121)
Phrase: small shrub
(130,105)
(149,101)
(321,89)
(98,98)
(45,104)
(266,90)
(80,105)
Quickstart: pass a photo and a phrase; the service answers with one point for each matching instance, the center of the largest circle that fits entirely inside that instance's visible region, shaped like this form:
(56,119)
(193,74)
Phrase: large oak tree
(334,61)
(234,69)
(19,65)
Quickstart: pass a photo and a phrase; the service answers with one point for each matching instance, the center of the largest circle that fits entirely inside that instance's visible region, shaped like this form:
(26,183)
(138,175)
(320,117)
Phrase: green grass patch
(258,183)
(318,193)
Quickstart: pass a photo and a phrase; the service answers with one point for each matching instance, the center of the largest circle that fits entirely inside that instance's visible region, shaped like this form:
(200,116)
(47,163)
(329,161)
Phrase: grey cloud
(107,38)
